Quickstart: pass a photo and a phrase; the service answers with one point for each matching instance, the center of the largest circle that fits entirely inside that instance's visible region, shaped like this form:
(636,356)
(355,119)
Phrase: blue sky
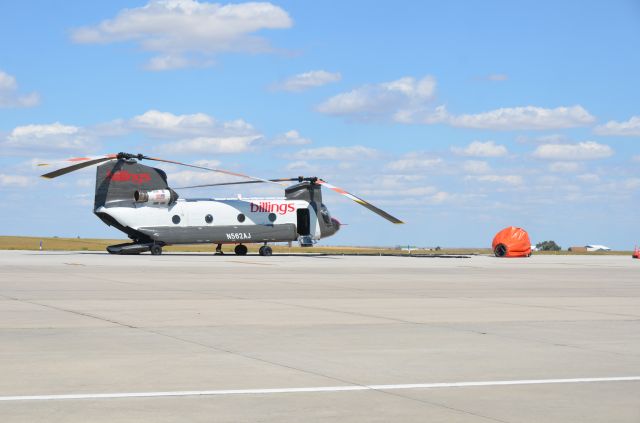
(458,117)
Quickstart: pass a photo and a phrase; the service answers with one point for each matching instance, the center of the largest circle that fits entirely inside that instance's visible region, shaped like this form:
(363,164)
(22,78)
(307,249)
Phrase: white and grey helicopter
(137,200)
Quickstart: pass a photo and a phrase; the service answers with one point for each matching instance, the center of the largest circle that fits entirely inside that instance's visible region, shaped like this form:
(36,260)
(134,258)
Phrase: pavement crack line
(552,308)
(402,321)
(432,325)
(306,371)
(247,356)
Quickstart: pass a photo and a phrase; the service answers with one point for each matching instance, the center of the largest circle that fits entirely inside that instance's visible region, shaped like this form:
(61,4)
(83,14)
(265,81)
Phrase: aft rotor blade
(79,163)
(360,201)
(238,183)
(226,172)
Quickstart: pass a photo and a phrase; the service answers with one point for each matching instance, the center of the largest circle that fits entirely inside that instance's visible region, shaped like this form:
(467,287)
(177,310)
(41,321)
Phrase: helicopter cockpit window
(324,212)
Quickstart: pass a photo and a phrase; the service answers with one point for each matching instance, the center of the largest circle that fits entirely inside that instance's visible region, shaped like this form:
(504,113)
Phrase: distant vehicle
(594,247)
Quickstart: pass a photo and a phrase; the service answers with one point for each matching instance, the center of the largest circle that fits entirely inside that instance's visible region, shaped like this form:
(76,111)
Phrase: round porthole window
(208,218)
(272,217)
(241,218)
(175,219)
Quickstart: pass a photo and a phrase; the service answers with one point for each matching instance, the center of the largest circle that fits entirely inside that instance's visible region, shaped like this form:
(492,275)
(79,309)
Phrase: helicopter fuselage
(221,221)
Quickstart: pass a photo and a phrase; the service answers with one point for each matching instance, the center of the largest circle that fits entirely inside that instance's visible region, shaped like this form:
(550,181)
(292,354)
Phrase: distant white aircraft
(594,247)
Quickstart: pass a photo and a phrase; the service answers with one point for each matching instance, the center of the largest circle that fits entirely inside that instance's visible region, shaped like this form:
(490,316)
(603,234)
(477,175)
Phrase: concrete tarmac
(74,323)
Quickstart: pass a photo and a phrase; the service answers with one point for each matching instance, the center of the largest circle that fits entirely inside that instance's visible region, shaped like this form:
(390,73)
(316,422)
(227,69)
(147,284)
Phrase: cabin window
(272,217)
(208,218)
(175,219)
(241,218)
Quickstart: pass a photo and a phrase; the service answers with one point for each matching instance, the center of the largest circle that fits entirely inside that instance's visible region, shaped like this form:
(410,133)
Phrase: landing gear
(219,250)
(241,250)
(265,250)
(156,250)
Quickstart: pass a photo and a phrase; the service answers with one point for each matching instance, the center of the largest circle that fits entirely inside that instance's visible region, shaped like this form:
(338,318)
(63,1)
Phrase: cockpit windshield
(326,217)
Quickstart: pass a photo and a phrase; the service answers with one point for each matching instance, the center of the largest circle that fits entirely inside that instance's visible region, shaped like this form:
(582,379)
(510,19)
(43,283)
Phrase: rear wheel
(156,250)
(241,250)
(265,250)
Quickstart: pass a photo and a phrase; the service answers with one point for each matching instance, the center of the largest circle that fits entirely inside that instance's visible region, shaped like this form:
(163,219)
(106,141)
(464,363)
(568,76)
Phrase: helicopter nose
(336,223)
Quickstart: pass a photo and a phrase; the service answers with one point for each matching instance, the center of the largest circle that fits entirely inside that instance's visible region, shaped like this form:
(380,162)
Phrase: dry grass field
(89,244)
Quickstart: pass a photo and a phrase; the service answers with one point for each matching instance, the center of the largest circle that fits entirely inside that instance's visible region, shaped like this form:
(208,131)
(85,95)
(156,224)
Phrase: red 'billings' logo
(124,176)
(269,207)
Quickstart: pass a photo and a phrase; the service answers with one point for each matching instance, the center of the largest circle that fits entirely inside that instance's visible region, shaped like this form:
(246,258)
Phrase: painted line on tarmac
(269,391)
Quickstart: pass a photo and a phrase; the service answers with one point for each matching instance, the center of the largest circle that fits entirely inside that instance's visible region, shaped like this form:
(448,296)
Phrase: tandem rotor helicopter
(136,199)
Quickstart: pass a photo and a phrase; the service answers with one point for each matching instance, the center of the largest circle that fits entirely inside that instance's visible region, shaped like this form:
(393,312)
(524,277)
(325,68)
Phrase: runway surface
(89,337)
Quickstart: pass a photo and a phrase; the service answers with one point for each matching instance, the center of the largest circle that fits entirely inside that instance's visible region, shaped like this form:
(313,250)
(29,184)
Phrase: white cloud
(188,32)
(307,80)
(291,137)
(15,180)
(48,137)
(632,183)
(629,128)
(481,149)
(421,191)
(476,166)
(167,62)
(440,197)
(192,177)
(195,133)
(520,118)
(207,163)
(414,162)
(543,139)
(513,180)
(165,123)
(395,181)
(299,165)
(399,99)
(588,150)
(356,152)
(590,178)
(9,96)
(213,145)
(168,125)
(408,100)
(564,167)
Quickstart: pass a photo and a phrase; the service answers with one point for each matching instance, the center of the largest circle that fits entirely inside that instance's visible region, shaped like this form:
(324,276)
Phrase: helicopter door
(304,222)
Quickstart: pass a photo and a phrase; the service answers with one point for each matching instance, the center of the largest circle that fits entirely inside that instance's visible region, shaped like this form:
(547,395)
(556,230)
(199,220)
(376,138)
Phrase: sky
(458,117)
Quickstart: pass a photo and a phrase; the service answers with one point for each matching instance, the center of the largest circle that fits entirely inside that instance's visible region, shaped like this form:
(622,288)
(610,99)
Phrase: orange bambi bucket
(512,242)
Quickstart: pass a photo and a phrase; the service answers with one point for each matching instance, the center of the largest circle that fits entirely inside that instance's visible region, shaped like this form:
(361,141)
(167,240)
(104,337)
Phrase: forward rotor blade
(79,163)
(226,172)
(360,201)
(238,183)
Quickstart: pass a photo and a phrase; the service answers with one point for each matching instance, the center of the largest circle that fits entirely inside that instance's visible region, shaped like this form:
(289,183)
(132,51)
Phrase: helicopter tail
(118,180)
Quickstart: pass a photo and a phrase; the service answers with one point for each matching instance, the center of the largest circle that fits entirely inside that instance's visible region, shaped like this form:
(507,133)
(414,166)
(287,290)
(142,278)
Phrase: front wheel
(241,250)
(156,250)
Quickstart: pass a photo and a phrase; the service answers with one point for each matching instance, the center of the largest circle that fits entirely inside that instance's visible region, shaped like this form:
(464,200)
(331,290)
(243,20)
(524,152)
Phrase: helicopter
(137,200)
